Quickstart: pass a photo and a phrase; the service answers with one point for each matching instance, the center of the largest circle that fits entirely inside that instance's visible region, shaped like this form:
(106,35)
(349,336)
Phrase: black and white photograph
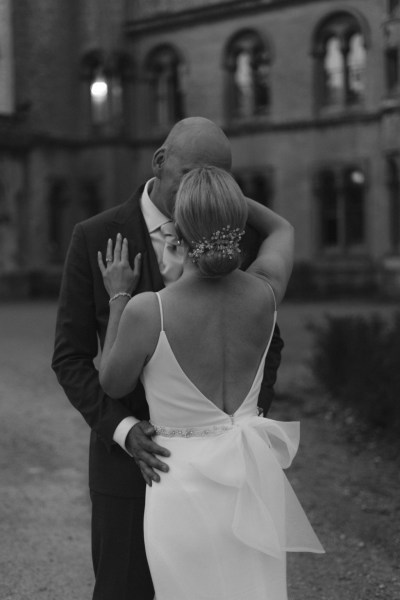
(200,300)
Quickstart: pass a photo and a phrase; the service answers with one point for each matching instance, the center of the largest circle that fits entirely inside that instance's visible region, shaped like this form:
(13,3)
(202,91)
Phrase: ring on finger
(108,259)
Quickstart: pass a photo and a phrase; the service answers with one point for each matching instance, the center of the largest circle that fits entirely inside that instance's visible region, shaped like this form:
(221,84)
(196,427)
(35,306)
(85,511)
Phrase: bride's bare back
(218,331)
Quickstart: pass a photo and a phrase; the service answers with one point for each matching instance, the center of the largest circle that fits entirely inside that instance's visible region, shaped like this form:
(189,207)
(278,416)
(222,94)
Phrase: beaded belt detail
(192,431)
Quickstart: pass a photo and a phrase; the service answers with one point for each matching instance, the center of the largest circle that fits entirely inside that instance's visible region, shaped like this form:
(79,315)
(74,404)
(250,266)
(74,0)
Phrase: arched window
(340,54)
(165,72)
(107,76)
(340,194)
(248,65)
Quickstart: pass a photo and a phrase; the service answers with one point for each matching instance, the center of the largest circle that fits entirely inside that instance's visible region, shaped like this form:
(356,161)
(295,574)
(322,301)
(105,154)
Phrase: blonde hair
(209,200)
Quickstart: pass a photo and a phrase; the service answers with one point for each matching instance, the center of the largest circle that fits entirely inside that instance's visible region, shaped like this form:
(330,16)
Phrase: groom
(122,454)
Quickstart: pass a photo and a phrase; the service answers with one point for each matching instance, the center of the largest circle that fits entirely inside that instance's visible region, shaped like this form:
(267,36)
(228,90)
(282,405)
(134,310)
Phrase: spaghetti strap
(273,294)
(161,311)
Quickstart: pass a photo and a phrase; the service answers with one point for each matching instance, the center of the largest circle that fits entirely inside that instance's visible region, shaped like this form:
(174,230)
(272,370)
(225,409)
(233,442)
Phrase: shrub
(357,361)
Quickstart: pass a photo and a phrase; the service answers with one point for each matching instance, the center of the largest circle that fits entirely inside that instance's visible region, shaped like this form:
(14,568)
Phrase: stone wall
(48,141)
(292,141)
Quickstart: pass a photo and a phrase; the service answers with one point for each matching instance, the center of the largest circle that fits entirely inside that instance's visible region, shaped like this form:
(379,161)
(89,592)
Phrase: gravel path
(349,485)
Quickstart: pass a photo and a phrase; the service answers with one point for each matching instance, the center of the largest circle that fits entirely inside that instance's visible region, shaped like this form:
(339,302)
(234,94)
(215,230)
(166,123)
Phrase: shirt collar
(153,217)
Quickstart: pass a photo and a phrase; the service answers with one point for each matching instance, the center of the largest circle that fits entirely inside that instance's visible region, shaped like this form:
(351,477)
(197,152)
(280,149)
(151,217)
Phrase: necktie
(172,266)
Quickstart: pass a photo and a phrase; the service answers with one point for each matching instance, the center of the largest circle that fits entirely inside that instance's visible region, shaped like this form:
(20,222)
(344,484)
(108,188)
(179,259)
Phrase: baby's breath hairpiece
(225,241)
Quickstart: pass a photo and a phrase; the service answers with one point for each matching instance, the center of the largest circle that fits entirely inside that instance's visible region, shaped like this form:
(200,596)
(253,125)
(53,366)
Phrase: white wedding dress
(219,524)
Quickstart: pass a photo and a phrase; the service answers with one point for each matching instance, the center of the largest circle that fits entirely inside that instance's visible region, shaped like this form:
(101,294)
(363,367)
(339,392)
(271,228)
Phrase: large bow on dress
(250,458)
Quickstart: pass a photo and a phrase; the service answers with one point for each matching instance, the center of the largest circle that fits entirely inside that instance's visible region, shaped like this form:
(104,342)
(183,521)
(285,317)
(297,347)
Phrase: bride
(219,523)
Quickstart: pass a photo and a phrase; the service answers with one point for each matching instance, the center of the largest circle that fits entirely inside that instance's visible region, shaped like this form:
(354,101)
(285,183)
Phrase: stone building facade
(64,153)
(308,92)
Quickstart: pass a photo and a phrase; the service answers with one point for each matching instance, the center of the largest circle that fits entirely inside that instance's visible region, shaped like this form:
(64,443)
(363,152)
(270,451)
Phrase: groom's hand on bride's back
(144,451)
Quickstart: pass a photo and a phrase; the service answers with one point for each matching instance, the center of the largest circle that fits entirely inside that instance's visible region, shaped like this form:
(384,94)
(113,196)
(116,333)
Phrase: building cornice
(192,17)
(319,122)
(257,126)
(19,140)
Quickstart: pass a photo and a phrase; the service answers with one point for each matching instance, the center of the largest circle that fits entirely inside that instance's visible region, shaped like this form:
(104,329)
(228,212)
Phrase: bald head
(193,142)
(201,141)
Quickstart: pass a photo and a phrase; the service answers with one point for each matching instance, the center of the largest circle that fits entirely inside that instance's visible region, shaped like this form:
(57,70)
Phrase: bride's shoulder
(142,306)
(258,290)
(144,302)
(142,314)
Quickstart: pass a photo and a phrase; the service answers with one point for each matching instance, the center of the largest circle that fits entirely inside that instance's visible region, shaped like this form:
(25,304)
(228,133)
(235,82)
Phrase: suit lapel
(130,223)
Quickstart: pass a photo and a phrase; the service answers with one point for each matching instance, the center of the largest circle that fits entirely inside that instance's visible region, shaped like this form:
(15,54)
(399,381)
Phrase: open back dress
(219,523)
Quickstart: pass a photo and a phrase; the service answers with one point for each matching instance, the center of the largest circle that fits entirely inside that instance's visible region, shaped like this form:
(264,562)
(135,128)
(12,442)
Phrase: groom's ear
(178,232)
(158,161)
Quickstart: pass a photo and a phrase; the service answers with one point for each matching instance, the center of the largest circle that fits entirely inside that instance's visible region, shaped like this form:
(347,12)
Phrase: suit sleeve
(272,363)
(76,344)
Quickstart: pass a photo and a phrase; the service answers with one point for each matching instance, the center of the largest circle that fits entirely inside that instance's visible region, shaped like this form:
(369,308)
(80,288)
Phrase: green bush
(357,361)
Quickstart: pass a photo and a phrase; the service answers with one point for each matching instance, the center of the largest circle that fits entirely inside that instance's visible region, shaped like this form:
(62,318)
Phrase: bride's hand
(117,273)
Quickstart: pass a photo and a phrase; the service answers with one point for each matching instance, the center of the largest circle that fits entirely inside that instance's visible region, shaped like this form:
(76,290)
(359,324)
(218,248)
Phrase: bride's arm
(274,259)
(121,360)
(117,307)
(131,325)
(128,343)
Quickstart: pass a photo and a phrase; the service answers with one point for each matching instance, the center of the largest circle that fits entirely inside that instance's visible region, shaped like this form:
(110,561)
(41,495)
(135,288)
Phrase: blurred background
(307,91)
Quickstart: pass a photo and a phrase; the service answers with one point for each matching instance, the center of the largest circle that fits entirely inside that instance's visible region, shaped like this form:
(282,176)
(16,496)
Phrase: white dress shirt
(153,218)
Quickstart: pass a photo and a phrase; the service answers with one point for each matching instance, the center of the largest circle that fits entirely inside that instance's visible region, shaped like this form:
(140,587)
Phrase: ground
(347,480)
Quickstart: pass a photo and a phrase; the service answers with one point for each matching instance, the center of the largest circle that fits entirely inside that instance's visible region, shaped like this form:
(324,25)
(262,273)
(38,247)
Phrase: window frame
(241,40)
(342,248)
(175,94)
(343,25)
(117,70)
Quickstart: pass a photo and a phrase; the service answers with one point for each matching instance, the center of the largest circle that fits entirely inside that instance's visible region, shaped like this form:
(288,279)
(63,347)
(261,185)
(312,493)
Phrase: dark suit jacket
(82,321)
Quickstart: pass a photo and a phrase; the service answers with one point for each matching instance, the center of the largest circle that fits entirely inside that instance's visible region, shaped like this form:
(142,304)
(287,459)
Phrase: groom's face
(174,166)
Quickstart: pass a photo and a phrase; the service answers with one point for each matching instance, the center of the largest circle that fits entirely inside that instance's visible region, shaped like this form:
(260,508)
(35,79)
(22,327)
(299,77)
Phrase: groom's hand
(140,445)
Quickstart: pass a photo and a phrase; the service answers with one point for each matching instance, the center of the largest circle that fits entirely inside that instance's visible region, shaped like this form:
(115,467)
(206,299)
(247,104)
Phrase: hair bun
(217,264)
(211,213)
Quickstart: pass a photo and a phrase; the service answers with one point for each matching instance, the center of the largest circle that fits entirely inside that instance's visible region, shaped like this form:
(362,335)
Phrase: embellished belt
(186,432)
